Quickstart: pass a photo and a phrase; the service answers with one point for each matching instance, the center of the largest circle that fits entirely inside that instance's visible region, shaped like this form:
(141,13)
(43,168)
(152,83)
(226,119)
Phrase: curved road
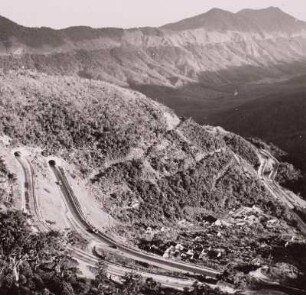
(75,209)
(276,190)
(37,221)
(31,204)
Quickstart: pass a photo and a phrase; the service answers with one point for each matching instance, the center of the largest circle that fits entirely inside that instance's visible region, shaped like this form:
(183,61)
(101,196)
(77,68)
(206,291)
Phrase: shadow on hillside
(272,110)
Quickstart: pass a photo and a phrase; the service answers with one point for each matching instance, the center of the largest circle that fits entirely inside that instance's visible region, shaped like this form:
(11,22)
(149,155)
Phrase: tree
(32,262)
(132,284)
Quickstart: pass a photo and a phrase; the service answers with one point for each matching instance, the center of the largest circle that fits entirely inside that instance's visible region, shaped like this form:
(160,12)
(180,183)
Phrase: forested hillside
(167,181)
(136,150)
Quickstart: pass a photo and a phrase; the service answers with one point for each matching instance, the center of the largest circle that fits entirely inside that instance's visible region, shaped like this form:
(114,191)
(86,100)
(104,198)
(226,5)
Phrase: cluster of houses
(179,251)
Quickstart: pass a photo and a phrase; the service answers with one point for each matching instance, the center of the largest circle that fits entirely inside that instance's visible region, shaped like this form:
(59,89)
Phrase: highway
(276,190)
(30,201)
(118,270)
(79,223)
(76,210)
(76,222)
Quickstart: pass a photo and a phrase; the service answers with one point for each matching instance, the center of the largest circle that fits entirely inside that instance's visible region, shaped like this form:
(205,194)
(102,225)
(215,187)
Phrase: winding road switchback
(275,189)
(37,221)
(76,210)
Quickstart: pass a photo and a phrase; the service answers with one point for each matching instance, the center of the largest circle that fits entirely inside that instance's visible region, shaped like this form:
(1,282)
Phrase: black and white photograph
(152,147)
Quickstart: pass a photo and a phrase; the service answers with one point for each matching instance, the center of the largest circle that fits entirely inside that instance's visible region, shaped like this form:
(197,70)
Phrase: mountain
(201,67)
(132,148)
(271,19)
(173,55)
(165,181)
(144,176)
(192,66)
(213,20)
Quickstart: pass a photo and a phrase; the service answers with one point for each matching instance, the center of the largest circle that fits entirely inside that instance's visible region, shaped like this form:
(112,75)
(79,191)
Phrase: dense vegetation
(240,245)
(34,263)
(53,113)
(243,148)
(150,168)
(288,175)
(7,180)
(200,137)
(277,115)
(180,180)
(149,171)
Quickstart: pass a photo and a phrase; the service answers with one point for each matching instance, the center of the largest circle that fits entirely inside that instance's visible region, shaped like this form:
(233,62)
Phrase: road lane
(275,189)
(76,211)
(89,259)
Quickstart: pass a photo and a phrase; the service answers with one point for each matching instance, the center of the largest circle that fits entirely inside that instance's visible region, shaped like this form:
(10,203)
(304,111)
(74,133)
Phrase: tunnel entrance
(52,163)
(17,154)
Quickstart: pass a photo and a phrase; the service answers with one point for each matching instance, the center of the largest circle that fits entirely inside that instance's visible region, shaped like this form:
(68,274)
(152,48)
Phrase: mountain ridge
(230,20)
(214,18)
(154,55)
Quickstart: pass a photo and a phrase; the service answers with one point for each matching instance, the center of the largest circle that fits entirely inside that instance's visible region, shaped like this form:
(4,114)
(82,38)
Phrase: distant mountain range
(269,20)
(173,55)
(169,183)
(205,67)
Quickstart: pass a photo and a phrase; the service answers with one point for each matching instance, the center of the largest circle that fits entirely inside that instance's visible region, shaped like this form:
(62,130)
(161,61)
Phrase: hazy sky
(127,13)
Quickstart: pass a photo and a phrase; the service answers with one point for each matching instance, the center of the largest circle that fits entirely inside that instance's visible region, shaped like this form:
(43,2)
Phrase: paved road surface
(77,213)
(276,190)
(38,222)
